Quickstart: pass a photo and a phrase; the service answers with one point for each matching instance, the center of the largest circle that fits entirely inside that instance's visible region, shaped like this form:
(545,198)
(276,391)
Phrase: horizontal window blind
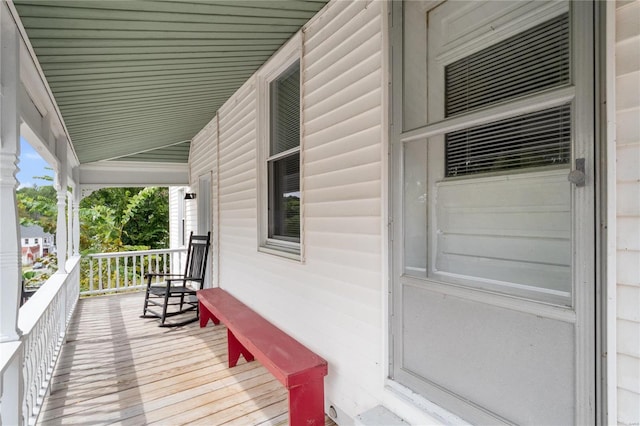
(533,60)
(541,138)
(285,110)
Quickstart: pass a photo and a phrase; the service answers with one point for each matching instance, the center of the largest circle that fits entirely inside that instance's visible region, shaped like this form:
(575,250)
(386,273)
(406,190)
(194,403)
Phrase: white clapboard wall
(628,209)
(332,301)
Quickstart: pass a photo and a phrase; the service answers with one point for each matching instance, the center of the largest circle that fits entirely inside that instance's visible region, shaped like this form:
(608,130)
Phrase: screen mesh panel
(542,138)
(533,60)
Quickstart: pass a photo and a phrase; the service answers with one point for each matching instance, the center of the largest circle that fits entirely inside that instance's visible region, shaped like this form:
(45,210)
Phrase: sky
(31,164)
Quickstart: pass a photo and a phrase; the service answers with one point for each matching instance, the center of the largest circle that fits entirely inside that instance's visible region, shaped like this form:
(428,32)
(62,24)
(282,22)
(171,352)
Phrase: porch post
(69,224)
(61,228)
(76,224)
(12,380)
(10,279)
(76,212)
(61,188)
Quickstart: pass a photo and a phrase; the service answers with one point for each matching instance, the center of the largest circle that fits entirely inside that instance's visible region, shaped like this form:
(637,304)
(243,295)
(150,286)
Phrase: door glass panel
(415,208)
(509,233)
(528,62)
(415,67)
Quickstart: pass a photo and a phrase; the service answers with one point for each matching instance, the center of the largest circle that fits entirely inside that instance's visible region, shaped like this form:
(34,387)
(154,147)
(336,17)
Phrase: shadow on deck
(117,368)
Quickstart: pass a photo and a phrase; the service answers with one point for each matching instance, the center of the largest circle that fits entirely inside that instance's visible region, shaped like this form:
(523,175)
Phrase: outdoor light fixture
(190,196)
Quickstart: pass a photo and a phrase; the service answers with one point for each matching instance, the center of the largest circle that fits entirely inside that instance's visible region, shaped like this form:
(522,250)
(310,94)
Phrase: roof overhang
(131,173)
(134,81)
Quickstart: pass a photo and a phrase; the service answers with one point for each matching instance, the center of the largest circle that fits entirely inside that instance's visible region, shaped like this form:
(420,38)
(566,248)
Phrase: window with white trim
(280,130)
(283,163)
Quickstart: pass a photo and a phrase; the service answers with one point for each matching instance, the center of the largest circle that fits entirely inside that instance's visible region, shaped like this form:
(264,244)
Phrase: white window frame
(287,56)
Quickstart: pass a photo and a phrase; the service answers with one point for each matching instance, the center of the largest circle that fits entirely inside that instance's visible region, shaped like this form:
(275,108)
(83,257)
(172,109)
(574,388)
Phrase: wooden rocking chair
(178,290)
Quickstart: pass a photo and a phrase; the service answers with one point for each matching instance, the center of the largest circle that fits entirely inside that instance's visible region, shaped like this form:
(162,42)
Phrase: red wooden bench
(300,370)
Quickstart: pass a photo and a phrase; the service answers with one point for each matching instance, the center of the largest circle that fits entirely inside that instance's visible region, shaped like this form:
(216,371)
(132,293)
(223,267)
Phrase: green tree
(37,206)
(120,219)
(111,219)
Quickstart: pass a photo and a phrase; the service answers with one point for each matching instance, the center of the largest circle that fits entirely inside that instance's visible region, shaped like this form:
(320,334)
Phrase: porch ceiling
(138,79)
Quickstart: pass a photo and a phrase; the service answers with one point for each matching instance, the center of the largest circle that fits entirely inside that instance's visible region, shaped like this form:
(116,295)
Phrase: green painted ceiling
(138,79)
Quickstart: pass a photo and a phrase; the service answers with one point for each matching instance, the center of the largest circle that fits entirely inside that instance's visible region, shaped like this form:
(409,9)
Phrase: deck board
(117,368)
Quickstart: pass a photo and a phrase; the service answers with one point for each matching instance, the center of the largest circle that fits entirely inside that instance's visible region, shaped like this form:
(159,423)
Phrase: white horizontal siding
(628,210)
(331,302)
(174,224)
(202,161)
(237,174)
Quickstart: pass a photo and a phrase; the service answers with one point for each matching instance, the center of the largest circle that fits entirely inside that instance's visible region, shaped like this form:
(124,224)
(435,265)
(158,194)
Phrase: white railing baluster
(135,271)
(142,262)
(117,261)
(157,264)
(100,285)
(126,272)
(109,281)
(43,320)
(90,274)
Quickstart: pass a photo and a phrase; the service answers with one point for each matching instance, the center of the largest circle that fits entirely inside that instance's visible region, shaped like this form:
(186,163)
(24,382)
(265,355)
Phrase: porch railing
(125,271)
(43,320)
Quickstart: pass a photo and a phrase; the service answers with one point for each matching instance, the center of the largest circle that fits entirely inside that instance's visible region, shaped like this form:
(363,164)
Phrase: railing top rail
(135,253)
(34,308)
(7,351)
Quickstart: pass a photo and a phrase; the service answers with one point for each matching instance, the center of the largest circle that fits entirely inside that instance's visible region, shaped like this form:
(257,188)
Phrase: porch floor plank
(117,368)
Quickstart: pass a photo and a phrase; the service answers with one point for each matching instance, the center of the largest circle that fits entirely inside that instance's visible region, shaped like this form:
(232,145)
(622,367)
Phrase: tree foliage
(37,206)
(121,219)
(111,219)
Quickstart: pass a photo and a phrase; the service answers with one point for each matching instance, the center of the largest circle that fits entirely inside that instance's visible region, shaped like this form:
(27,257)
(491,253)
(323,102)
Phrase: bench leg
(236,349)
(205,316)
(306,404)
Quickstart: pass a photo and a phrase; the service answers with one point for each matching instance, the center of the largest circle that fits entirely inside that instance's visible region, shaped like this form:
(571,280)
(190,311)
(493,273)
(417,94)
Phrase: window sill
(286,252)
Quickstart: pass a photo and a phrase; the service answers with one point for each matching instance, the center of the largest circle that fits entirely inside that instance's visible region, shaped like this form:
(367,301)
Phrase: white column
(61,188)
(76,221)
(10,276)
(77,196)
(69,224)
(61,228)
(12,386)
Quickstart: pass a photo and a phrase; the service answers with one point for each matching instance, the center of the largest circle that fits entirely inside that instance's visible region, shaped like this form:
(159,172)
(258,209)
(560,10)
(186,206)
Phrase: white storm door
(493,311)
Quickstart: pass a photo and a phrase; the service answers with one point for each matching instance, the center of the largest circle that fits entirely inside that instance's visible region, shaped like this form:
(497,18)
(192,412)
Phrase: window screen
(528,62)
(541,138)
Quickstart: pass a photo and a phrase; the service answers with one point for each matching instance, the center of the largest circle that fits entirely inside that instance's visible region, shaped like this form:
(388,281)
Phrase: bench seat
(299,369)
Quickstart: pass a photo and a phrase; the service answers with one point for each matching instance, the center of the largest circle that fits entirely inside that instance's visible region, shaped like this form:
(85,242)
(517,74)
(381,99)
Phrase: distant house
(35,243)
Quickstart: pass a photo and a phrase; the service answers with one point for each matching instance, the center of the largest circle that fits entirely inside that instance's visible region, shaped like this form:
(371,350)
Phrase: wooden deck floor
(117,368)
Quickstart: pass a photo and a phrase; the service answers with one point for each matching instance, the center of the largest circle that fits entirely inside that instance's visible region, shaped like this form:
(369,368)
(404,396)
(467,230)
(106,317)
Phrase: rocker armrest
(158,274)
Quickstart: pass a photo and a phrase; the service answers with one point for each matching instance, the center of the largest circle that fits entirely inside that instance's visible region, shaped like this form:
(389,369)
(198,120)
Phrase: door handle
(577,175)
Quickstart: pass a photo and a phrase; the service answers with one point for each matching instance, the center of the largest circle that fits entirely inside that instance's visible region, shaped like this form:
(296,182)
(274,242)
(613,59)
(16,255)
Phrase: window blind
(536,139)
(285,105)
(533,60)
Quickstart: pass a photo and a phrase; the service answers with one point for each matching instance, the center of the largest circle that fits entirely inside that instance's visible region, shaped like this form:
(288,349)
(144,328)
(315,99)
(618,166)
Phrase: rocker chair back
(177,294)
(197,253)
